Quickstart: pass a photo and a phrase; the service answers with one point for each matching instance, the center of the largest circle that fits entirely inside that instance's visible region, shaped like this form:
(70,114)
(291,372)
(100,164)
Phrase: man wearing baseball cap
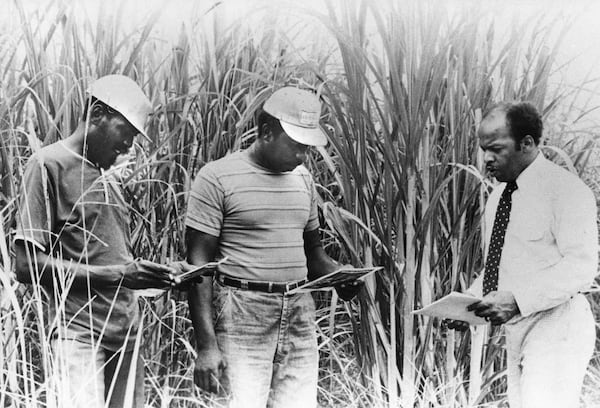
(258,208)
(73,241)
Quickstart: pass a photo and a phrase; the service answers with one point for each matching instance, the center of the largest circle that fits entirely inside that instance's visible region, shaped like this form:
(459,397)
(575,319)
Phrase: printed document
(453,306)
(335,278)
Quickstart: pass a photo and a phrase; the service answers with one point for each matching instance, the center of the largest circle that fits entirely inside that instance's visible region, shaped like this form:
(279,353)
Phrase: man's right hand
(456,324)
(142,274)
(209,369)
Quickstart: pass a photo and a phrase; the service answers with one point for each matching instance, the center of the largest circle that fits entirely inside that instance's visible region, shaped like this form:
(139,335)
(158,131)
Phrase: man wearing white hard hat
(73,241)
(258,208)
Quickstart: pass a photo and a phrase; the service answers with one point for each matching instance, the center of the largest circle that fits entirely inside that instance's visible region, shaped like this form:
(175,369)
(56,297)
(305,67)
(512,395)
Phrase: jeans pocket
(221,302)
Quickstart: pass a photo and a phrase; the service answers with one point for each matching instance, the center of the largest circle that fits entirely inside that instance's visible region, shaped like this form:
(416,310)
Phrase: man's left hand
(496,307)
(347,291)
(182,267)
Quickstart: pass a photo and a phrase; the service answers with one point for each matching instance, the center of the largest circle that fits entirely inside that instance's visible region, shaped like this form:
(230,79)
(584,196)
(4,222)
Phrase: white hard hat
(298,112)
(122,94)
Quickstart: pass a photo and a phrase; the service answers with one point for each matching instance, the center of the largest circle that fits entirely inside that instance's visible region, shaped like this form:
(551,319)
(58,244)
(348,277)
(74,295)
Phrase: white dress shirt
(550,251)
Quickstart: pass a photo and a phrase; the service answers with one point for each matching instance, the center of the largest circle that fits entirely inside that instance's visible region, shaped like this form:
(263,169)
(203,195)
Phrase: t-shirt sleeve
(205,205)
(313,217)
(35,219)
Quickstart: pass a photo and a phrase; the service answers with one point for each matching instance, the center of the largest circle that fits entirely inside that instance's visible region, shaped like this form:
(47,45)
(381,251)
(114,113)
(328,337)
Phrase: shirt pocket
(536,243)
(533,232)
(532,225)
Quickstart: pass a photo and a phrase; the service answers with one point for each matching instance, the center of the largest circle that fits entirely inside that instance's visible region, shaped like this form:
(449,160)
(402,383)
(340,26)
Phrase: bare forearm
(35,266)
(200,302)
(202,249)
(320,264)
(317,261)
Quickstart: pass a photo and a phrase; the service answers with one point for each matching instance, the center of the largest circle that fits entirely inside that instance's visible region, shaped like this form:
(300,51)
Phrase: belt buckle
(288,287)
(243,284)
(293,285)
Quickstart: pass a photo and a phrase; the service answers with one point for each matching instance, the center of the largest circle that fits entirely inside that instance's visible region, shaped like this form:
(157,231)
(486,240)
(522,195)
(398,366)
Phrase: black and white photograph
(299,204)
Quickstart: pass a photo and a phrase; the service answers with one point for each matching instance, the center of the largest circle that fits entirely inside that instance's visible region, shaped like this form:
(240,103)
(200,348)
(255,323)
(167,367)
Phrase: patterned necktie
(490,276)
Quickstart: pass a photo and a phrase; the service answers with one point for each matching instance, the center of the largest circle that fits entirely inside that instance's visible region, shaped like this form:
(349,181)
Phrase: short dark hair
(93,101)
(522,119)
(270,121)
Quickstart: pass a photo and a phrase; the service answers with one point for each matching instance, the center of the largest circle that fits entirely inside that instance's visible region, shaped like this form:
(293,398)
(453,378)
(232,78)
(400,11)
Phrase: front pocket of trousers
(221,304)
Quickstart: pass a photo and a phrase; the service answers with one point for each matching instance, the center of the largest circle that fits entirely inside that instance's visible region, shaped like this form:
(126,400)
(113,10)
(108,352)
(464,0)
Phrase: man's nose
(487,157)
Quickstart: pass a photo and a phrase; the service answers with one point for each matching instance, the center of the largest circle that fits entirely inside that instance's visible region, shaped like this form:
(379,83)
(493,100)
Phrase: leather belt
(268,287)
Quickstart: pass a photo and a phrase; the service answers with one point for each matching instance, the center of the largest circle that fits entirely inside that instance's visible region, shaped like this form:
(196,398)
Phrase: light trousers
(92,377)
(548,354)
(269,343)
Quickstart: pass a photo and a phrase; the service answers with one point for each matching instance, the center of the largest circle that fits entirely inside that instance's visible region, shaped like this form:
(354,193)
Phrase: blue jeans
(269,343)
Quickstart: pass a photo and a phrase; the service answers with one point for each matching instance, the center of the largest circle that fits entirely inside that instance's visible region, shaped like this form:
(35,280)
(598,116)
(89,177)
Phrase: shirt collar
(529,177)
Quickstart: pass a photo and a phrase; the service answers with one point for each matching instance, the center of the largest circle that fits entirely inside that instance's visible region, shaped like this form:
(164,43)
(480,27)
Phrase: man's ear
(266,132)
(527,144)
(96,114)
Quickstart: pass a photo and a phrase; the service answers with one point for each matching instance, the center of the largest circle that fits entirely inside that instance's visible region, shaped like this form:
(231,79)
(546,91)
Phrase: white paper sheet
(337,277)
(453,306)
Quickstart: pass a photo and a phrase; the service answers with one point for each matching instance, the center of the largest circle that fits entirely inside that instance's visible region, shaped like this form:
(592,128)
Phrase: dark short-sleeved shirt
(259,216)
(70,209)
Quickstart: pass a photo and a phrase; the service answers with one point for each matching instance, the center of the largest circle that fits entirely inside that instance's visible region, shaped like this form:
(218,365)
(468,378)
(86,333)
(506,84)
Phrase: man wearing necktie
(541,253)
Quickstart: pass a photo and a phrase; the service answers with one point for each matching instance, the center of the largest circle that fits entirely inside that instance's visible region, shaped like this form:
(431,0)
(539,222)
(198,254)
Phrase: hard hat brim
(306,136)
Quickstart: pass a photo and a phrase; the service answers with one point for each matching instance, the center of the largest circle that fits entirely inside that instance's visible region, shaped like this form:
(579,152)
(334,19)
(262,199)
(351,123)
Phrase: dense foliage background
(404,84)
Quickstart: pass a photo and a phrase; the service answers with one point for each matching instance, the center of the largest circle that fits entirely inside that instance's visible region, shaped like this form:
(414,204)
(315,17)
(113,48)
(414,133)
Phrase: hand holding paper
(208,269)
(497,307)
(185,278)
(339,277)
(453,306)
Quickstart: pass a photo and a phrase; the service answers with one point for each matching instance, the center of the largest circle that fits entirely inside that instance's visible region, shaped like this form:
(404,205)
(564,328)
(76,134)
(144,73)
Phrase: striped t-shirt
(259,216)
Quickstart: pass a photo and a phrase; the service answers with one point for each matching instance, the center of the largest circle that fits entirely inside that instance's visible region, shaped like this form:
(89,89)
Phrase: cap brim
(141,131)
(306,136)
(138,126)
(144,134)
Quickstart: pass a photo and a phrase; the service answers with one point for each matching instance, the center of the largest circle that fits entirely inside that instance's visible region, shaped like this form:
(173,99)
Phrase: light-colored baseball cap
(125,96)
(298,112)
